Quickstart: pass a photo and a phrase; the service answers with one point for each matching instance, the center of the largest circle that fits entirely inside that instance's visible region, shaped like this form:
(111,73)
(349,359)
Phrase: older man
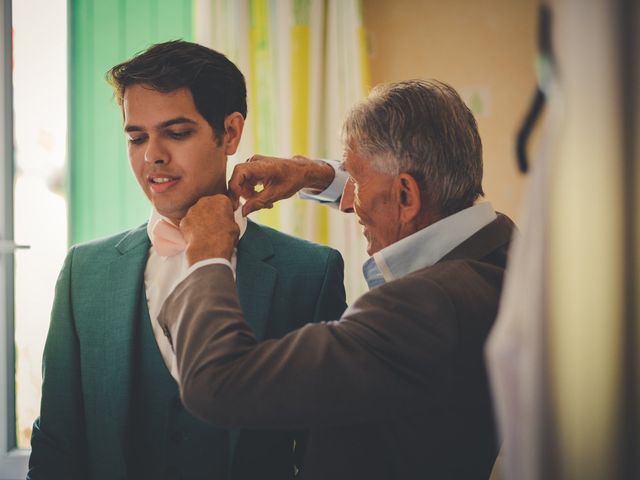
(396,388)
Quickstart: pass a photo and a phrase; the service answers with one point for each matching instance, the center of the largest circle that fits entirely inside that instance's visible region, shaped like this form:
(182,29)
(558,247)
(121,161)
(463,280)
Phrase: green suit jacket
(82,431)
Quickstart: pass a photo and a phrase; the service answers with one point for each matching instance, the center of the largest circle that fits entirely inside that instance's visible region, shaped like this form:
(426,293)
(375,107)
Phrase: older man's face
(370,195)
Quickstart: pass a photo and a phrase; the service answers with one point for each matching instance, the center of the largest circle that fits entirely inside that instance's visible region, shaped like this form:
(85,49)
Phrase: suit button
(176,438)
(296,470)
(172,473)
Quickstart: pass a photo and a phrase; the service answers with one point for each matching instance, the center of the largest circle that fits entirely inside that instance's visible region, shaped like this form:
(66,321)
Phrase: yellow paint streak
(300,89)
(260,71)
(363,53)
(300,52)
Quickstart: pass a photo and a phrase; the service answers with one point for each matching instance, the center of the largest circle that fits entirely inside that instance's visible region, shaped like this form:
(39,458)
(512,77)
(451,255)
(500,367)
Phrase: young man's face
(172,149)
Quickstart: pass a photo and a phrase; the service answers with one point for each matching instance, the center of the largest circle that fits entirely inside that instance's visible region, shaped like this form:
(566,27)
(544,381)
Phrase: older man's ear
(409,198)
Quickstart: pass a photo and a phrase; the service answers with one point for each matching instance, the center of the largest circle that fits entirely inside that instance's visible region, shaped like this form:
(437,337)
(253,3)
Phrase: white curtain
(305,63)
(559,361)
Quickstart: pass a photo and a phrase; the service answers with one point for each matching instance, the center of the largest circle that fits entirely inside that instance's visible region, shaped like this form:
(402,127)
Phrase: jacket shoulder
(297,250)
(106,248)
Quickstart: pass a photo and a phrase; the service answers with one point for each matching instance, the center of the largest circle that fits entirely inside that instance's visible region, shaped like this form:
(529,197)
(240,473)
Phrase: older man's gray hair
(422,128)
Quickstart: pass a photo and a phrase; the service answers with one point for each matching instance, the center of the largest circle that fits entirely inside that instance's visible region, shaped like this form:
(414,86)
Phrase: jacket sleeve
(58,442)
(388,353)
(331,302)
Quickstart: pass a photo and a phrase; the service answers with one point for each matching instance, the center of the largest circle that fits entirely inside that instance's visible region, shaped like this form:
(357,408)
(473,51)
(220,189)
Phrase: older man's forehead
(343,164)
(349,161)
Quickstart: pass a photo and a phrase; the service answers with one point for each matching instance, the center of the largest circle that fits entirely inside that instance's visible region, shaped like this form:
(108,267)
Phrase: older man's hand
(279,178)
(209,229)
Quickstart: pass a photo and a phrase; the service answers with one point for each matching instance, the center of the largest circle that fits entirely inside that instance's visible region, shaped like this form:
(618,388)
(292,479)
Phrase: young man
(110,403)
(397,388)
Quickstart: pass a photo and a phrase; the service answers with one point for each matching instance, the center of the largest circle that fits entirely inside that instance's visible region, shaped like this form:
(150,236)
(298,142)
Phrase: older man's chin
(371,247)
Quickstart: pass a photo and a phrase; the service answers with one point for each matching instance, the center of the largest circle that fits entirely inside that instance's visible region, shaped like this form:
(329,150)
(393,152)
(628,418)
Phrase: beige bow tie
(167,239)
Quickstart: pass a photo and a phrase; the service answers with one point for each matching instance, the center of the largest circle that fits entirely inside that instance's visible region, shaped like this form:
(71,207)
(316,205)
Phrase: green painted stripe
(103,195)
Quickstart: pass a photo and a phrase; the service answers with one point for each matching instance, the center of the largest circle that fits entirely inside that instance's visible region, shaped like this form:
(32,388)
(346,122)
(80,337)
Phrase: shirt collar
(155,217)
(427,246)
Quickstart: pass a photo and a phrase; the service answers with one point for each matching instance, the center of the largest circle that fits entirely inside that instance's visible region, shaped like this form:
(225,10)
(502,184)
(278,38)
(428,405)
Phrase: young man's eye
(179,135)
(137,140)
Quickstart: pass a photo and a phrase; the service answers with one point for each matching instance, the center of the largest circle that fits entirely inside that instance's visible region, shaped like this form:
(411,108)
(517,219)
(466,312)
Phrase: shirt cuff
(333,192)
(208,261)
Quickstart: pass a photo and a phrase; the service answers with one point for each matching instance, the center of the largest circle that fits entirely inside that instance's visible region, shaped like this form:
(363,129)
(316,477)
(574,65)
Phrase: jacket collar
(495,235)
(255,277)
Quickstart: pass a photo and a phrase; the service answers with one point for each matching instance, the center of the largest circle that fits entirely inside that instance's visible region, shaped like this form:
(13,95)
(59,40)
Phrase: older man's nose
(346,201)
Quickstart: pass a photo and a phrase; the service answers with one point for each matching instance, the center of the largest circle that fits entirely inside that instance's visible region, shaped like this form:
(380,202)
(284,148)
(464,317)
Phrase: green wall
(104,197)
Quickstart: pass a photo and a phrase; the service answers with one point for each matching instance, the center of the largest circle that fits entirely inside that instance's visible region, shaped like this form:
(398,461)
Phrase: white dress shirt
(163,274)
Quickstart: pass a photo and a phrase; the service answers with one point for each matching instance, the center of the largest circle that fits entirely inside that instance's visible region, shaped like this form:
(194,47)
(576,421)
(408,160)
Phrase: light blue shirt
(333,192)
(426,247)
(421,249)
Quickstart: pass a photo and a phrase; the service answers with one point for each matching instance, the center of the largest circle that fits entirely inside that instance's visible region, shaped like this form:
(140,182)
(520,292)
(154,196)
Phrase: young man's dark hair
(217,86)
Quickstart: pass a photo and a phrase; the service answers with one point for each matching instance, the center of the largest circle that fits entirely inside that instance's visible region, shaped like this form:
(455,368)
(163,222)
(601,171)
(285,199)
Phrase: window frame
(13,461)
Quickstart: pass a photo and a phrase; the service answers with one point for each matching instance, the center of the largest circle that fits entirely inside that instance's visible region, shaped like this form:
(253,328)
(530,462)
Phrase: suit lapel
(256,279)
(120,314)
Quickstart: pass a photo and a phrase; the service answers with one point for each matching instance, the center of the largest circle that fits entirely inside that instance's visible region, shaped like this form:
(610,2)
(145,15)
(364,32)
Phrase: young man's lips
(160,184)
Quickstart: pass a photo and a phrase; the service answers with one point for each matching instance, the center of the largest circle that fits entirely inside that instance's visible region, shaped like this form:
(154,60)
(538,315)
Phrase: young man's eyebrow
(165,124)
(177,121)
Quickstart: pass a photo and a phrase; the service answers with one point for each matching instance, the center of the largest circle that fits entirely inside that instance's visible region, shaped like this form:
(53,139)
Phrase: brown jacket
(395,389)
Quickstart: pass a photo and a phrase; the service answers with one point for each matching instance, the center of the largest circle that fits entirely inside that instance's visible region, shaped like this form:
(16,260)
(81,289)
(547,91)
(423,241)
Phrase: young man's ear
(233,125)
(409,198)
